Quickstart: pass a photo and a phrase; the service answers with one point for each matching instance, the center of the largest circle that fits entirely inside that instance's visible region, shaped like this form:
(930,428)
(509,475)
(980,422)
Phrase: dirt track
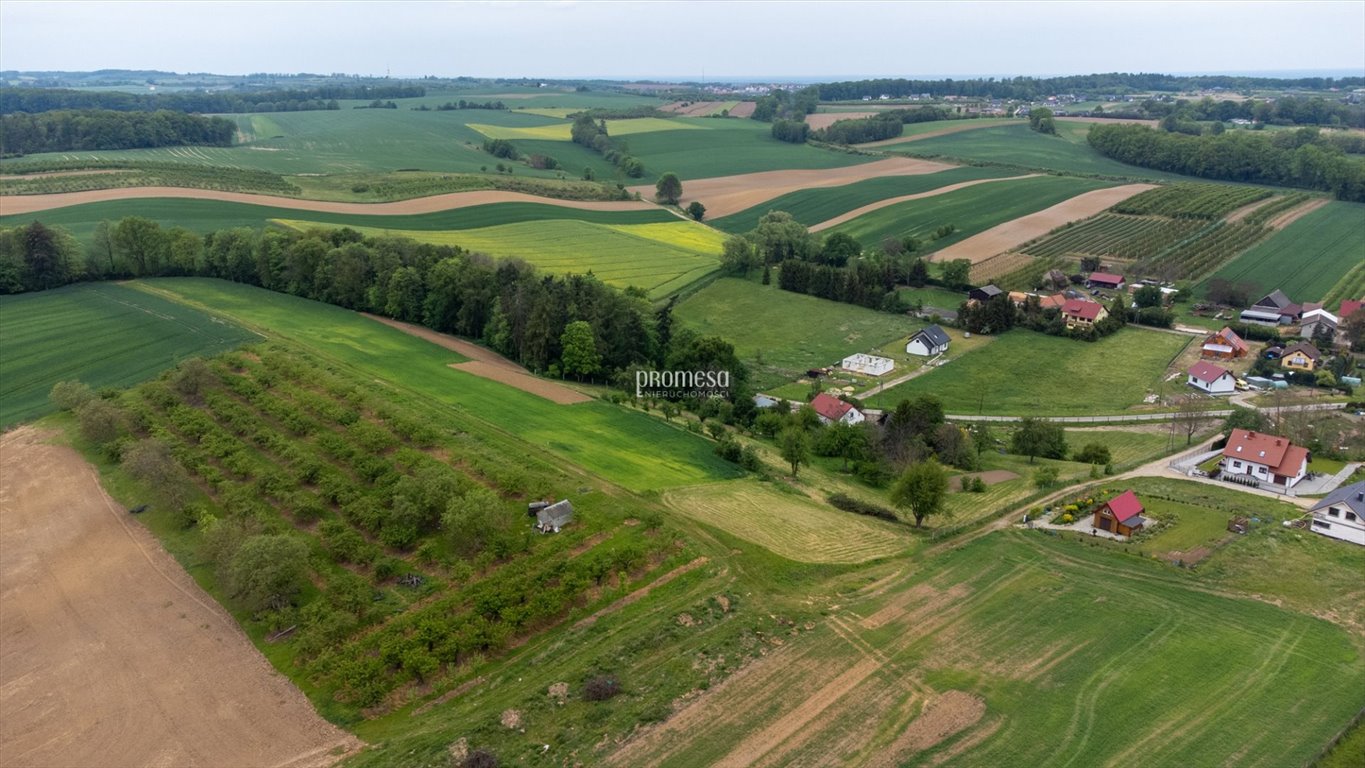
(724,195)
(487,364)
(112,655)
(1003,237)
(856,212)
(1294,214)
(15,205)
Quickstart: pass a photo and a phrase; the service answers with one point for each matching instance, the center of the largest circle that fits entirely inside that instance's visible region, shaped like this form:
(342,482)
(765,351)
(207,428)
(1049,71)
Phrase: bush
(601,688)
(70,395)
(1045,477)
(1093,453)
(858,506)
(480,758)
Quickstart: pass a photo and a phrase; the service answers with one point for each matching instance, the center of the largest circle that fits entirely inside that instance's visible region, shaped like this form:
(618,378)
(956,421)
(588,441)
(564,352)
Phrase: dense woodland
(528,316)
(1029,88)
(34,100)
(98,129)
(1301,158)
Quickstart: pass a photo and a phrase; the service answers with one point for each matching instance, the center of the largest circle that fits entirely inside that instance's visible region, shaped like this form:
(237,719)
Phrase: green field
(660,258)
(812,206)
(1350,286)
(780,334)
(625,447)
(104,334)
(208,215)
(728,147)
(971,210)
(1025,373)
(1307,258)
(560,131)
(1017,145)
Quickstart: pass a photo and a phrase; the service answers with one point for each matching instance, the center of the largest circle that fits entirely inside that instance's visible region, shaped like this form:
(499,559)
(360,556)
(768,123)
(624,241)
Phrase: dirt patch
(942,717)
(112,655)
(856,212)
(511,718)
(1011,234)
(559,692)
(820,120)
(15,205)
(724,195)
(926,599)
(744,109)
(641,593)
(1244,211)
(989,478)
(487,364)
(1294,214)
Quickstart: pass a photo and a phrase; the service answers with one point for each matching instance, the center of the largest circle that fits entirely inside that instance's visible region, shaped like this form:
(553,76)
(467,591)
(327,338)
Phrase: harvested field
(698,108)
(990,477)
(744,109)
(819,120)
(725,195)
(16,205)
(112,654)
(487,364)
(1012,234)
(855,213)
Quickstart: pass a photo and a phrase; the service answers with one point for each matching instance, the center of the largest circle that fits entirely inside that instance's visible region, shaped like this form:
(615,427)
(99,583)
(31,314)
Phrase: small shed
(1121,515)
(555,516)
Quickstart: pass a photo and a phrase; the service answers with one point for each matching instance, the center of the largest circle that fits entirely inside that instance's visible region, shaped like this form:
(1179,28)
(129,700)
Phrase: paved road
(1128,417)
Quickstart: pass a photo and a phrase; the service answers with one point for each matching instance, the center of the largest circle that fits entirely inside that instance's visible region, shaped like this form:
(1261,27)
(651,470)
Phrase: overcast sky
(823,40)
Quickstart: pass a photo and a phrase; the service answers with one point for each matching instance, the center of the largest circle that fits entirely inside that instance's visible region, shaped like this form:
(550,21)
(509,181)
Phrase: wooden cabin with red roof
(1224,345)
(1121,515)
(1266,459)
(831,409)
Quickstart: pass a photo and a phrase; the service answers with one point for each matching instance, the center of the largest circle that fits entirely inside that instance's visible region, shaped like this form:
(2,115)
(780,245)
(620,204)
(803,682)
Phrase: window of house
(1333,512)
(1322,524)
(1350,516)
(1236,465)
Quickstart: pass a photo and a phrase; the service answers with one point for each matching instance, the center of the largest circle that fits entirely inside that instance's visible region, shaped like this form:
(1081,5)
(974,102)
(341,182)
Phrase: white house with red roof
(1210,378)
(1080,313)
(1267,459)
(831,409)
(1121,515)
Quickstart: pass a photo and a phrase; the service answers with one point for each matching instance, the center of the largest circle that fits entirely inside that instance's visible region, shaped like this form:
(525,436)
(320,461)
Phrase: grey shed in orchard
(555,516)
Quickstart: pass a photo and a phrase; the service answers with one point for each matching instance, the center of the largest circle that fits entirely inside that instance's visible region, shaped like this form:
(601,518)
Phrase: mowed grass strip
(104,334)
(622,256)
(629,448)
(1024,373)
(812,206)
(780,334)
(789,525)
(1306,258)
(561,131)
(971,210)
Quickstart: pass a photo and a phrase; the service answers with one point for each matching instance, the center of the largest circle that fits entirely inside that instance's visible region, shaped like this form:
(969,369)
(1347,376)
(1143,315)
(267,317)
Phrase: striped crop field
(1350,286)
(103,334)
(1307,258)
(789,525)
(660,258)
(1193,201)
(560,131)
(1114,235)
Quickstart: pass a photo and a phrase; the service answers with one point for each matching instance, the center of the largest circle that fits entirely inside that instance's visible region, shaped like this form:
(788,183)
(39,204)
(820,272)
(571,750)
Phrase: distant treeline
(34,100)
(1028,88)
(519,311)
(1301,158)
(93,129)
(451,106)
(886,125)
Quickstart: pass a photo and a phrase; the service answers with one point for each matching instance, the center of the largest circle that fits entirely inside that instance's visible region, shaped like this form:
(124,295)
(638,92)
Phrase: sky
(694,40)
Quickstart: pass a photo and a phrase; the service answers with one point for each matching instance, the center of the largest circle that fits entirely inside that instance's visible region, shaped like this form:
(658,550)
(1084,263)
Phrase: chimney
(1277,441)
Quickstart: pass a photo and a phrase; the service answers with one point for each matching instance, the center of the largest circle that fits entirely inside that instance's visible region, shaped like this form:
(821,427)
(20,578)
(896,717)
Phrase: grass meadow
(812,206)
(1307,258)
(104,334)
(625,447)
(1027,373)
(971,210)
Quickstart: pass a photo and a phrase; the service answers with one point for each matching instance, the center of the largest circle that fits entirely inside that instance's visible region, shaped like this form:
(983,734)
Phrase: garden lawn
(1024,373)
(971,210)
(1307,258)
(103,334)
(628,448)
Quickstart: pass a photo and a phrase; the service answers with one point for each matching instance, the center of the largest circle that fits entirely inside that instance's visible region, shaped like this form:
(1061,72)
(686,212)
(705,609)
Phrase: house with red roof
(831,409)
(1213,379)
(1224,345)
(1266,459)
(1079,313)
(1105,280)
(1121,515)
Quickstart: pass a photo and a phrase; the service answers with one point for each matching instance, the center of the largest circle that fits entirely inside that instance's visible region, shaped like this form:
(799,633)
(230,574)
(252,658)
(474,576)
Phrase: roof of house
(1351,496)
(1088,310)
(1275,299)
(1270,314)
(1105,277)
(935,335)
(991,290)
(1230,336)
(1282,456)
(1055,301)
(1348,308)
(1208,372)
(557,513)
(1320,315)
(830,406)
(1124,507)
(1304,347)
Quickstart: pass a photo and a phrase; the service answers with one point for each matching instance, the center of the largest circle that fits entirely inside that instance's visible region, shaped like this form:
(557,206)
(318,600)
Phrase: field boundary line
(870,207)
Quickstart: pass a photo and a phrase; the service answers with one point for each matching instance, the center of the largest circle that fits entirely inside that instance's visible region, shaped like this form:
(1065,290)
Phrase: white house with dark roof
(928,342)
(1210,378)
(1341,514)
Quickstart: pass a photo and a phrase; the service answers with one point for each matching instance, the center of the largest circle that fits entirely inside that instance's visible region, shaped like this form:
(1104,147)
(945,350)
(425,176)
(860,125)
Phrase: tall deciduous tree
(1038,437)
(794,444)
(668,189)
(921,490)
(580,356)
(267,571)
